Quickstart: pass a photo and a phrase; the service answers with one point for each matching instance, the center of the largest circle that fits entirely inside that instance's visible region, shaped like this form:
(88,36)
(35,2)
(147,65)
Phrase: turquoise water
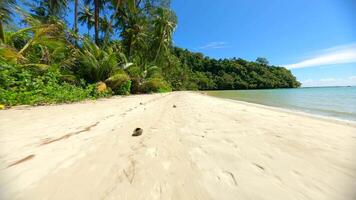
(337,102)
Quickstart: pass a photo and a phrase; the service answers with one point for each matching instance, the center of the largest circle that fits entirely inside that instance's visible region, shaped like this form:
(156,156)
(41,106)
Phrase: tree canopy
(227,74)
(130,51)
(262,61)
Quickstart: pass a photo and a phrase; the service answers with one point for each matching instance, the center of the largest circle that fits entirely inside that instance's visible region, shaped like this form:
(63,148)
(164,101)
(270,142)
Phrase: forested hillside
(226,74)
(125,48)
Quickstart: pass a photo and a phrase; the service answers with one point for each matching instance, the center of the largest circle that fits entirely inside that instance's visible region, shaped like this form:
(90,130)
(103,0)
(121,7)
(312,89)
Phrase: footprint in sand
(227,177)
(130,171)
(156,191)
(152,152)
(231,143)
(199,150)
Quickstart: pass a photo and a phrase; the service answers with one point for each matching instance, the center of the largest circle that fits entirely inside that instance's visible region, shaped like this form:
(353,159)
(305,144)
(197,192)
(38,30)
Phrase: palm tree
(104,25)
(86,17)
(99,64)
(133,34)
(165,24)
(98,4)
(5,12)
(118,4)
(96,20)
(132,20)
(46,10)
(44,36)
(56,7)
(75,16)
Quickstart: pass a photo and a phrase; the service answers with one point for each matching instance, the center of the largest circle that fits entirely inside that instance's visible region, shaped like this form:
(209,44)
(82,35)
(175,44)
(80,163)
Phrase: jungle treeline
(56,51)
(234,73)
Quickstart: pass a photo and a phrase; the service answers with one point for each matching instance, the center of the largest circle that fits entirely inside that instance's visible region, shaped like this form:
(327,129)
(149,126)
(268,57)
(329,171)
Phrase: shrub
(155,85)
(120,83)
(20,85)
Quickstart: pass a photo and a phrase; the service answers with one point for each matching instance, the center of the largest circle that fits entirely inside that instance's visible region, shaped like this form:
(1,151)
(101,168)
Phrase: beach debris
(2,106)
(141,103)
(259,166)
(174,106)
(137,132)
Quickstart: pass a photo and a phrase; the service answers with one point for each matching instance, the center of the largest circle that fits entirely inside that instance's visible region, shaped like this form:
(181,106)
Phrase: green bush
(119,83)
(155,85)
(32,87)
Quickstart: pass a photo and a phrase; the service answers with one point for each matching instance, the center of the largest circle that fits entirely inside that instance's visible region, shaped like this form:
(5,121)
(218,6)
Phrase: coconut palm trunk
(2,35)
(76,16)
(159,47)
(118,4)
(96,20)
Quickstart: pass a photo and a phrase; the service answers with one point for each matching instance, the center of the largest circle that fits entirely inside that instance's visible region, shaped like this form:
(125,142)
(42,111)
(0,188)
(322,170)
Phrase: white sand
(205,148)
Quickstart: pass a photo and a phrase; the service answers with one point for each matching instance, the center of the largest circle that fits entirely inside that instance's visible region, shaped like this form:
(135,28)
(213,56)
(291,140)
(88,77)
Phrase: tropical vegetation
(115,47)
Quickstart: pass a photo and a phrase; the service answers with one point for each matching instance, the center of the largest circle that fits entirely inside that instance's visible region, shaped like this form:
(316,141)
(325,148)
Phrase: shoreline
(290,110)
(281,109)
(193,146)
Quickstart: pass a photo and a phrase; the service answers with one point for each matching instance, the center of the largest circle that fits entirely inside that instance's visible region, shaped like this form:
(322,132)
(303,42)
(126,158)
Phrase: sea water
(336,102)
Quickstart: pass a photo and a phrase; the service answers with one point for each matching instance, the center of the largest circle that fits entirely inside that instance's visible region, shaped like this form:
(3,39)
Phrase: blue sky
(316,39)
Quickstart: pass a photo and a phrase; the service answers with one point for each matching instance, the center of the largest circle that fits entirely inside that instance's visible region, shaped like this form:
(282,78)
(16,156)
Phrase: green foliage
(6,10)
(155,85)
(20,85)
(85,16)
(96,64)
(120,83)
(44,10)
(38,44)
(204,81)
(227,74)
(262,61)
(46,62)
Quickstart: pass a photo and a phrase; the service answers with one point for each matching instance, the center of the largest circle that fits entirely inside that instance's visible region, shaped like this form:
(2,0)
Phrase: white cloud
(352,78)
(308,81)
(214,45)
(335,55)
(330,82)
(327,79)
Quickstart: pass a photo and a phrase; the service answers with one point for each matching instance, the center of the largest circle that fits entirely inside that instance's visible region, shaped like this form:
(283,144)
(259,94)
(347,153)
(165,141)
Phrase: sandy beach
(201,148)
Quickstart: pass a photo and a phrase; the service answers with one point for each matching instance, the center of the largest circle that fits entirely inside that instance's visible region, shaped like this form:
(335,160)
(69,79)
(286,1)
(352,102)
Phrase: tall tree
(75,16)
(165,23)
(56,7)
(96,20)
(98,5)
(132,19)
(45,10)
(116,4)
(85,16)
(262,61)
(104,25)
(5,12)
